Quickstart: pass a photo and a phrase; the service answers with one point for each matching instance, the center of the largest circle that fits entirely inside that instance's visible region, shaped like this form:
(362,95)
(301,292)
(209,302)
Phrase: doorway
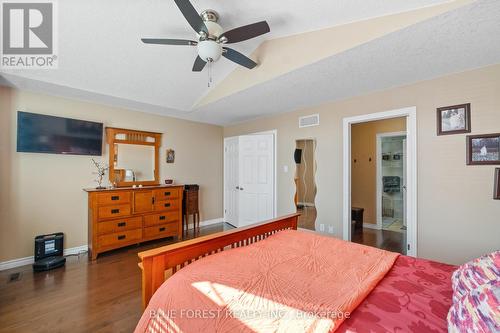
(249,178)
(305,184)
(399,207)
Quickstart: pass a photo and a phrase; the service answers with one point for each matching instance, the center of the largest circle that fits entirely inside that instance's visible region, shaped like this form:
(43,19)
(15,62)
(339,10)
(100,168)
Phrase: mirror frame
(132,137)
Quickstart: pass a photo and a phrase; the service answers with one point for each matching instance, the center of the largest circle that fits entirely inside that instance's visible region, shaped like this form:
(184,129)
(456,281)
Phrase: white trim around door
(411,131)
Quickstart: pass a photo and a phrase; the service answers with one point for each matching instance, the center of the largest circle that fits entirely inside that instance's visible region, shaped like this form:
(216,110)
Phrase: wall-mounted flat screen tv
(38,133)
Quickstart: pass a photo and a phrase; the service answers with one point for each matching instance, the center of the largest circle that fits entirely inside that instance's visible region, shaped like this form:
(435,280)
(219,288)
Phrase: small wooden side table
(190,207)
(357,215)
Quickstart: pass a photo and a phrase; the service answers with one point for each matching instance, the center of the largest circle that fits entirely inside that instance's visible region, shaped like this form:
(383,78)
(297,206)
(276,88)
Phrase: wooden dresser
(120,217)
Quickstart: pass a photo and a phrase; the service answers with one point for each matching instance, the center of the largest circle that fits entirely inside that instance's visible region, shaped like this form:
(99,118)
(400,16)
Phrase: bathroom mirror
(133,158)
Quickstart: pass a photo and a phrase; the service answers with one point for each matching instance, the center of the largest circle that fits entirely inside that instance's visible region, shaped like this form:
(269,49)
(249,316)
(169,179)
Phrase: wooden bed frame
(159,264)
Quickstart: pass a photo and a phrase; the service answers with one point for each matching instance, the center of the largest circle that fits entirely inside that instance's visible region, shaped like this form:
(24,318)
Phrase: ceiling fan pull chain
(209,71)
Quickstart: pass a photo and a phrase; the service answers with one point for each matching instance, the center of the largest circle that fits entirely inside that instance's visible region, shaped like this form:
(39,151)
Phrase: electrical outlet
(330,229)
(322,227)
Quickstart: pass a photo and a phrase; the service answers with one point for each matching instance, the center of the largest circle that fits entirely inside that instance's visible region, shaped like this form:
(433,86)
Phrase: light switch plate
(285,168)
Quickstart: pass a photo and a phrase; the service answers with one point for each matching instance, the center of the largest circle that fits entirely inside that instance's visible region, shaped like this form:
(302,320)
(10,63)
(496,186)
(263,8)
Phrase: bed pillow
(478,311)
(474,274)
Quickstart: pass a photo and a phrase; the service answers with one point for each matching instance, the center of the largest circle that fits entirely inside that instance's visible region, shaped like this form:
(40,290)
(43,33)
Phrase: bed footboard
(158,264)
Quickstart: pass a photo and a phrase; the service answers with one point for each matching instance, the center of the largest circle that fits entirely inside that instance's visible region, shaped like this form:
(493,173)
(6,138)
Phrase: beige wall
(364,171)
(306,188)
(42,193)
(457,218)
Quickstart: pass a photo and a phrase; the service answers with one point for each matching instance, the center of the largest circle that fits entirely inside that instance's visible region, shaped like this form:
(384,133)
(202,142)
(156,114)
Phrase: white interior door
(256,178)
(231,180)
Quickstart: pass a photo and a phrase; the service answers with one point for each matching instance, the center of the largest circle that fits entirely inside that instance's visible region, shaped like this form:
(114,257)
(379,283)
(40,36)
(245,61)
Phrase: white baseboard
(372,226)
(208,222)
(76,250)
(29,260)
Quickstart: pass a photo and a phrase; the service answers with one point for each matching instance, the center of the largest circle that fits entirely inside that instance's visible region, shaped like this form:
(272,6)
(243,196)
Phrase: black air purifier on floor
(49,252)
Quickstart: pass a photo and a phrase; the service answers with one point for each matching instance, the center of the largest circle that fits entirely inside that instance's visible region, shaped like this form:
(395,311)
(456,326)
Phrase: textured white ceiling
(456,41)
(103,60)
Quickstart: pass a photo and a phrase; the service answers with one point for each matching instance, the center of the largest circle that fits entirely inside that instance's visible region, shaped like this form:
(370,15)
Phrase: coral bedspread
(293,281)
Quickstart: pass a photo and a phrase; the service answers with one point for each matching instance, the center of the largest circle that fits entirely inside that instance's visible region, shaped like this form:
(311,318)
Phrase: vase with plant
(101,172)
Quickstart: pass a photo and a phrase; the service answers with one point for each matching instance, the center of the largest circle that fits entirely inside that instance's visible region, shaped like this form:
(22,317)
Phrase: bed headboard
(160,263)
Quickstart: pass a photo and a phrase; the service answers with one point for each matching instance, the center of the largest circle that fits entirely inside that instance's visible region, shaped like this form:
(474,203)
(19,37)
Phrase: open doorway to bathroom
(305,183)
(378,173)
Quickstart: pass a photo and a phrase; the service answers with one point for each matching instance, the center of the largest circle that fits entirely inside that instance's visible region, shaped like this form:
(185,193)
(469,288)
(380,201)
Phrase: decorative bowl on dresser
(120,217)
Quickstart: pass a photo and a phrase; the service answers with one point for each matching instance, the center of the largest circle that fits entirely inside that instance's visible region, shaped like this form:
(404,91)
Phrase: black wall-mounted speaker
(298,156)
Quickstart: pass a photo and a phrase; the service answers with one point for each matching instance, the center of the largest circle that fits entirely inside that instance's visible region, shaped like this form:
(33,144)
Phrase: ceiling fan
(211,37)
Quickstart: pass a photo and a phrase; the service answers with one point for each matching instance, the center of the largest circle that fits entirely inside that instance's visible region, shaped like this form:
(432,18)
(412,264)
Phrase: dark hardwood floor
(83,296)
(383,239)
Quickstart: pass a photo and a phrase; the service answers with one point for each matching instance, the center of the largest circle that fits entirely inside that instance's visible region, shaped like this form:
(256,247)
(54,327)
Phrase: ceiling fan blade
(238,58)
(191,15)
(246,32)
(199,64)
(166,41)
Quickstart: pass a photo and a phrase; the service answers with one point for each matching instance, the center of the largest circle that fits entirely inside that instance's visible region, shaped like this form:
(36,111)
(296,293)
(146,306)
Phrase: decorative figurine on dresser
(138,208)
(190,206)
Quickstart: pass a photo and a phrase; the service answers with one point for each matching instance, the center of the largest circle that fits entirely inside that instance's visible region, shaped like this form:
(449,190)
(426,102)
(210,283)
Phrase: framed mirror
(133,157)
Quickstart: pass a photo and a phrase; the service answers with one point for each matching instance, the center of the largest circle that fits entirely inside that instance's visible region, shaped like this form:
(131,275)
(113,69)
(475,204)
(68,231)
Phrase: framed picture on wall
(170,156)
(496,194)
(453,119)
(483,149)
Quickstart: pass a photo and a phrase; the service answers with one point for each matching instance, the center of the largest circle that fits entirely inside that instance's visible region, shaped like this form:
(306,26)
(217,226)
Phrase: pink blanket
(414,296)
(291,282)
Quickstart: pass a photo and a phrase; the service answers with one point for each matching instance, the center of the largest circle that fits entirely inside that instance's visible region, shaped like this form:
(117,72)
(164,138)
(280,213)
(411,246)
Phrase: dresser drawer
(167,193)
(106,227)
(118,238)
(162,230)
(166,205)
(113,198)
(106,212)
(156,219)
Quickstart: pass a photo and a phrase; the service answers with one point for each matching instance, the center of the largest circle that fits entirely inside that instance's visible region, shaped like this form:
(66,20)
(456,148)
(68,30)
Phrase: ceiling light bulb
(209,50)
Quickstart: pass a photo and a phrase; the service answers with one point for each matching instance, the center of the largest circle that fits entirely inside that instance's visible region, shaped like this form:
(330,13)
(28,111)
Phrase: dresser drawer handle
(167,205)
(115,211)
(167,194)
(121,237)
(115,197)
(122,224)
(163,218)
(162,229)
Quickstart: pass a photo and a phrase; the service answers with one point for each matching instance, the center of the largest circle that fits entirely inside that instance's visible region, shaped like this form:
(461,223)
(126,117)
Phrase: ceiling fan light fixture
(211,37)
(209,50)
